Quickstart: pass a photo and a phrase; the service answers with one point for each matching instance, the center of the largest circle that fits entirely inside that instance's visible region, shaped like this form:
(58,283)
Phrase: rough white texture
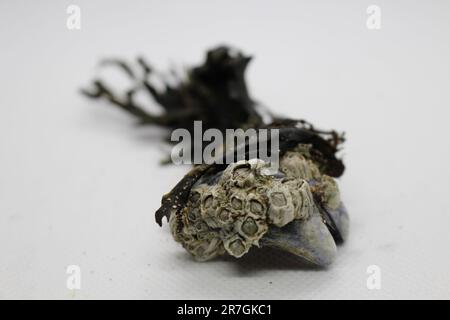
(233,213)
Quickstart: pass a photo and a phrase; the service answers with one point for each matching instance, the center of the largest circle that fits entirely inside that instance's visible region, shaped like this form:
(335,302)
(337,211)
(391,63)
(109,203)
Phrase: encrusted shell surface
(235,211)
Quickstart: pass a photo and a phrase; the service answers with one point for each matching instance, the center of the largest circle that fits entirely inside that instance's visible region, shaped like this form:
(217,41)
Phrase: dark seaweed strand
(214,92)
(127,104)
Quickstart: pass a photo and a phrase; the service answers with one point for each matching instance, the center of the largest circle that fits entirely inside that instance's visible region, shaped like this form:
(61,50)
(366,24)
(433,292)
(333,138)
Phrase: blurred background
(79,182)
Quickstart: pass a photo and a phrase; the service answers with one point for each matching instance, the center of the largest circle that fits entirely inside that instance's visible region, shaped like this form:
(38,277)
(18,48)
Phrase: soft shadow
(266,258)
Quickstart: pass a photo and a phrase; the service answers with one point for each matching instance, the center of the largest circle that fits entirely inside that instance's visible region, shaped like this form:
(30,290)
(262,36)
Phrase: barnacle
(246,206)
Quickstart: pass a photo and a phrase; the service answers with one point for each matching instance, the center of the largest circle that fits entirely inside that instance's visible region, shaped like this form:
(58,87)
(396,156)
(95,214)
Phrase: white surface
(79,184)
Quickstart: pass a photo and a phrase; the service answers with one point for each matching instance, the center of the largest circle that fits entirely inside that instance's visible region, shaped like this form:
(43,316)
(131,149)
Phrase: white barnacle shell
(242,173)
(295,164)
(209,247)
(306,203)
(248,205)
(330,192)
(251,228)
(281,205)
(256,204)
(237,200)
(210,201)
(236,246)
(224,216)
(239,175)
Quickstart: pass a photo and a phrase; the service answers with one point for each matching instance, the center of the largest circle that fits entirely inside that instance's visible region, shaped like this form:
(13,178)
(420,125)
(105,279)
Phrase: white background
(79,183)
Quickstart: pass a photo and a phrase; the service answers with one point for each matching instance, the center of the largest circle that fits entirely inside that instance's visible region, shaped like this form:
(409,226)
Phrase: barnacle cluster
(232,211)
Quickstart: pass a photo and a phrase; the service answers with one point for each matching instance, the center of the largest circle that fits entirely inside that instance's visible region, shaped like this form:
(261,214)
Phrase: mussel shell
(309,239)
(337,221)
